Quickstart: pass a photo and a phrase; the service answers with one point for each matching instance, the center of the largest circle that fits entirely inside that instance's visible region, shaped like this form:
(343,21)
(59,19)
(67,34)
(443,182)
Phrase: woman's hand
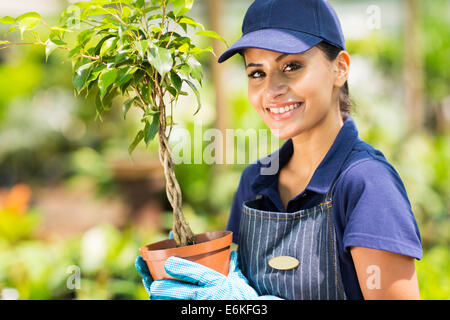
(142,269)
(384,275)
(201,283)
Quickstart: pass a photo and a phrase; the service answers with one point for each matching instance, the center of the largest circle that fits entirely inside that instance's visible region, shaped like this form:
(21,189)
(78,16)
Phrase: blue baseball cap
(288,26)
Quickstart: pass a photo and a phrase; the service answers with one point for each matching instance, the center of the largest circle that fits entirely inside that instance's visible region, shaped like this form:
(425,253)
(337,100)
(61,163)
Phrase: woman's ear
(342,68)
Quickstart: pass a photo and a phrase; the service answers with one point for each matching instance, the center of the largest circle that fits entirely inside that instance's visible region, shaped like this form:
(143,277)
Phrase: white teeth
(285,109)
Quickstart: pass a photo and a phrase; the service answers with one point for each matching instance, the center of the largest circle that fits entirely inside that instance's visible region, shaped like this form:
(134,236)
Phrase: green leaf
(156,17)
(152,8)
(124,75)
(61,30)
(197,50)
(140,3)
(137,139)
(191,22)
(122,56)
(184,47)
(99,45)
(138,76)
(151,129)
(169,121)
(59,42)
(108,45)
(196,69)
(160,59)
(141,47)
(27,15)
(181,7)
(126,106)
(176,81)
(184,70)
(197,94)
(95,72)
(50,46)
(55,35)
(210,34)
(75,51)
(95,10)
(7,19)
(84,36)
(106,79)
(81,75)
(109,96)
(126,12)
(28,24)
(173,91)
(156,29)
(12,28)
(28,21)
(152,111)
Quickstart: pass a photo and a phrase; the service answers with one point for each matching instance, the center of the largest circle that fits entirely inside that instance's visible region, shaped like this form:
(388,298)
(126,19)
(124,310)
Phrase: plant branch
(162,18)
(115,16)
(11,44)
(139,95)
(144,16)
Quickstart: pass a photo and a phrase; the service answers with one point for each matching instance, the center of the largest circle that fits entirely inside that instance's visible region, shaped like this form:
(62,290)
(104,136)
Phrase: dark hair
(332,52)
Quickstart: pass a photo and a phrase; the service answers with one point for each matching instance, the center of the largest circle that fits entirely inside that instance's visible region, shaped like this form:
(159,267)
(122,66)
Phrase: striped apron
(307,235)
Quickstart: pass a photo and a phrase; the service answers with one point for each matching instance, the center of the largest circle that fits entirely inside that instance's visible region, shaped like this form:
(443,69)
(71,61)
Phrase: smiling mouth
(285,108)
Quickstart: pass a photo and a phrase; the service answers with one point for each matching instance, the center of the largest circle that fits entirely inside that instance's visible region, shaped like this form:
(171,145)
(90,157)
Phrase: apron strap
(329,195)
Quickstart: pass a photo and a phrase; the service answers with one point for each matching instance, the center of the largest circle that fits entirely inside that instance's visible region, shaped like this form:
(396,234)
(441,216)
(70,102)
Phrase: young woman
(334,221)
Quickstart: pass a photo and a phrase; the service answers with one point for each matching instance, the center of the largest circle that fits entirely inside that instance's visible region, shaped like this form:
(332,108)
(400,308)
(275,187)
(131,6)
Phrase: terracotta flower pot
(212,249)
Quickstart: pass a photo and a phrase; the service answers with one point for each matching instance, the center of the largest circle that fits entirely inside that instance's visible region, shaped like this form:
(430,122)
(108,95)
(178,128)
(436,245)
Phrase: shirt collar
(326,172)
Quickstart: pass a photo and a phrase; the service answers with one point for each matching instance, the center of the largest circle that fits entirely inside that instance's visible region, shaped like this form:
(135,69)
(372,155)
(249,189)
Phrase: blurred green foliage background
(71,197)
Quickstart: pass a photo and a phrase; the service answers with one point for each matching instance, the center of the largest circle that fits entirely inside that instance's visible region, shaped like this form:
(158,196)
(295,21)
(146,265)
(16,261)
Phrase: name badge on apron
(283,263)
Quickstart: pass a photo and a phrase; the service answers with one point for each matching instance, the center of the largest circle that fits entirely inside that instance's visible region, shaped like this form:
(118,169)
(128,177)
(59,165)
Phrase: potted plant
(139,50)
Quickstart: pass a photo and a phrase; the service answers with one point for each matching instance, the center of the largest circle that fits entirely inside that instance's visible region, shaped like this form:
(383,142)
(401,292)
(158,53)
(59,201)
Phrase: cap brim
(280,40)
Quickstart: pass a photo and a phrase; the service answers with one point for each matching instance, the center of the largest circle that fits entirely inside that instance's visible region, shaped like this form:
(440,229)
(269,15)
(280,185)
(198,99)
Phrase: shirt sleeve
(377,210)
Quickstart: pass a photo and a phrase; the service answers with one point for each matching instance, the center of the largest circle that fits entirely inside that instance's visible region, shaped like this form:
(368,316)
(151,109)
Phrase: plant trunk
(182,233)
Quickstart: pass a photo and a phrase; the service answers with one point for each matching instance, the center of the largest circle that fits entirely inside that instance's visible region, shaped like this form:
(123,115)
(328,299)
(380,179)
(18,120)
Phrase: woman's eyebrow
(281,57)
(277,59)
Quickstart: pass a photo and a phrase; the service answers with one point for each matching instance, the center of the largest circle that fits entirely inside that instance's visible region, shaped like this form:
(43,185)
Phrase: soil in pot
(211,249)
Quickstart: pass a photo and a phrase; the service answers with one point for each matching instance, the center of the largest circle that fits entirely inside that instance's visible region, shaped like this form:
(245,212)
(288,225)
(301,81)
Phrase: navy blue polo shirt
(370,204)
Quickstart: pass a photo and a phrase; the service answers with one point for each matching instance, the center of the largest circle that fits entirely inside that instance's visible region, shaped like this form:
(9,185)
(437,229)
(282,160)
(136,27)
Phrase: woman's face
(293,93)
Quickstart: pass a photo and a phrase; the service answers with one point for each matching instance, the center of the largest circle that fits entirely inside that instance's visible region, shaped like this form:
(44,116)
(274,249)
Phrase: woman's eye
(292,66)
(255,74)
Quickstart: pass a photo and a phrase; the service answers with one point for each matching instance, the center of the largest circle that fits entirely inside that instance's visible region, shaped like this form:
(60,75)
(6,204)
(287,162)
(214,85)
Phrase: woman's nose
(275,87)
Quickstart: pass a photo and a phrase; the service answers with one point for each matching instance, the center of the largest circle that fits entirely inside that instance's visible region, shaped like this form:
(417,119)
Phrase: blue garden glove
(142,269)
(203,283)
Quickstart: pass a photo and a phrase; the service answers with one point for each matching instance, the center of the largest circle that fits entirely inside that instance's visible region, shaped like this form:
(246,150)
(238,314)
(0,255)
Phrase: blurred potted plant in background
(16,220)
(133,49)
